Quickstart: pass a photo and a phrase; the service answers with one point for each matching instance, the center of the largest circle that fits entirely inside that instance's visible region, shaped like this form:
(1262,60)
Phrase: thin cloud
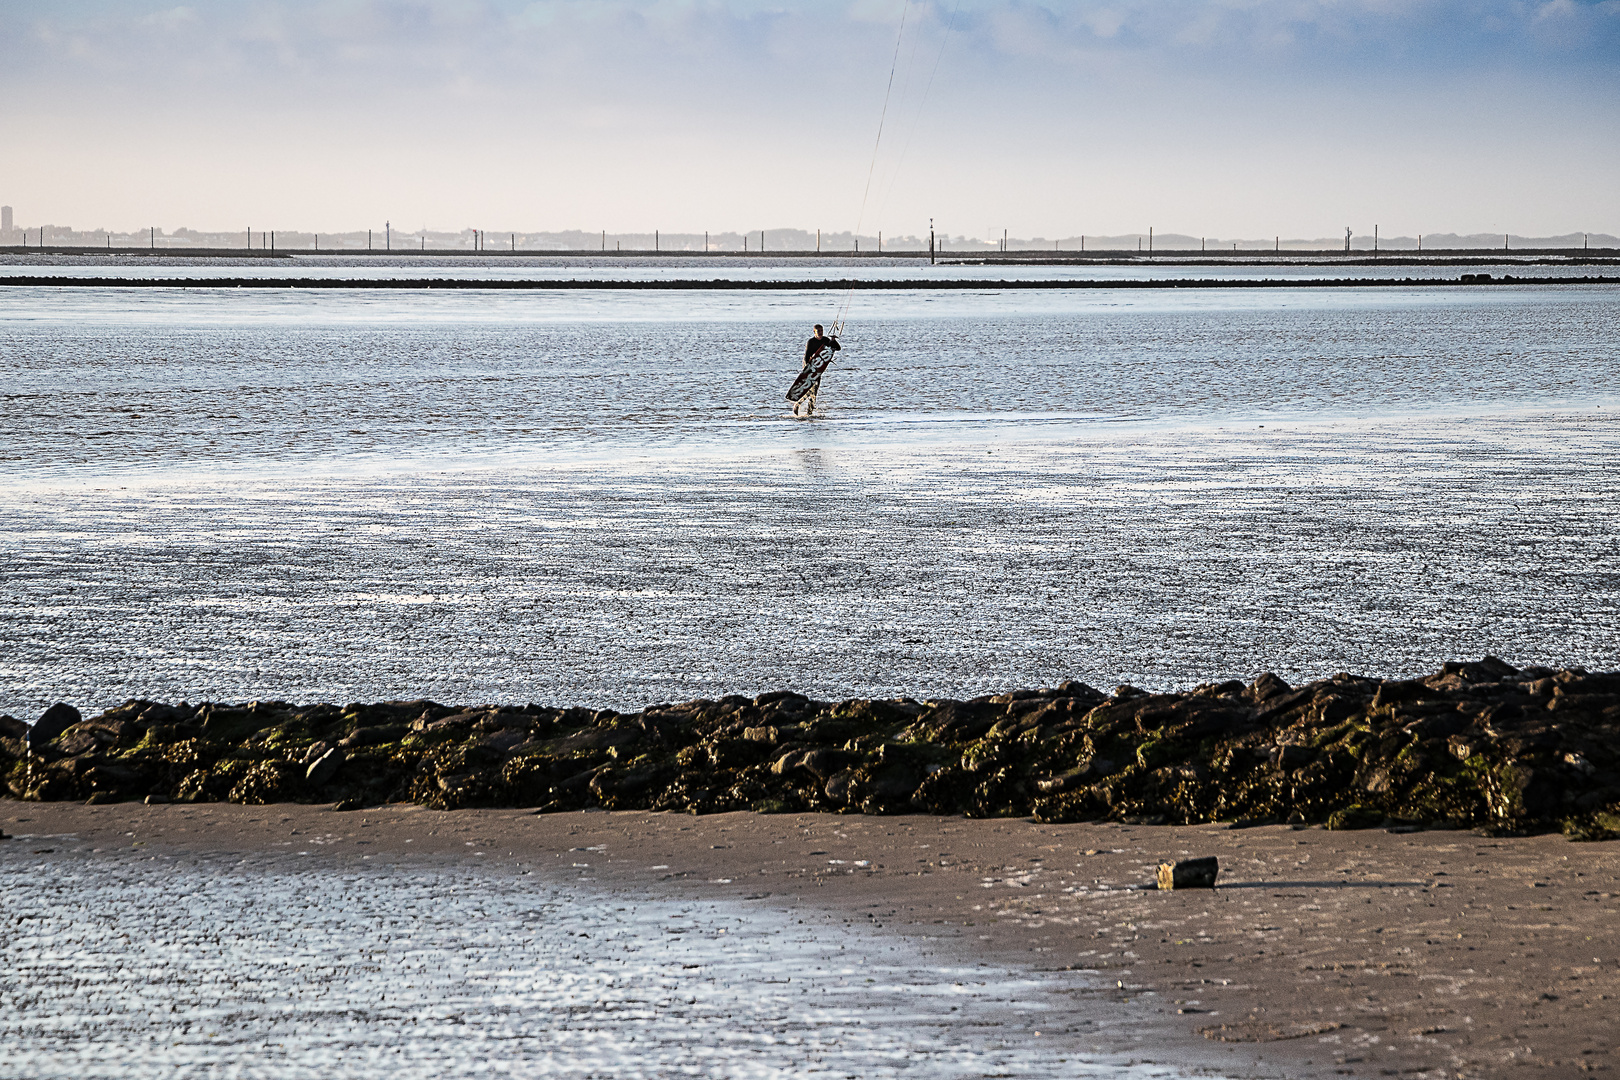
(1080,115)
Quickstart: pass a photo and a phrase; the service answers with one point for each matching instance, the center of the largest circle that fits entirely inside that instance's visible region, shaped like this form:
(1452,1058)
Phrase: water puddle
(123,966)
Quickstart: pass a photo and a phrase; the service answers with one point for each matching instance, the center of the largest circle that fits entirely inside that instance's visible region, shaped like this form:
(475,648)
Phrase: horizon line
(763,241)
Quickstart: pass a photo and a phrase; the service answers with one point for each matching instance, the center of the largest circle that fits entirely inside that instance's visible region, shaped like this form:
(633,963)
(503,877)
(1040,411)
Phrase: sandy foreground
(1321,953)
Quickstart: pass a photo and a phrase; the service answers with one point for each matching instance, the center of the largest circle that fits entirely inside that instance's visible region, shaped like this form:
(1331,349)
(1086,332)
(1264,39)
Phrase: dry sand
(1320,954)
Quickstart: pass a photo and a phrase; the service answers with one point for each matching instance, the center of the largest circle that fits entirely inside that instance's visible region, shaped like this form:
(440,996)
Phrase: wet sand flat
(603,500)
(1321,953)
(291,957)
(1164,560)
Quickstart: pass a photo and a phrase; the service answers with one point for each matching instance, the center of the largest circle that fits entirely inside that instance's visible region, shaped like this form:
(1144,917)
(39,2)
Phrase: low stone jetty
(1478,744)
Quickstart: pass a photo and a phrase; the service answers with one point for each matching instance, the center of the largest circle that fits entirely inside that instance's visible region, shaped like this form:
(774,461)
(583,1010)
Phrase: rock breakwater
(1481,744)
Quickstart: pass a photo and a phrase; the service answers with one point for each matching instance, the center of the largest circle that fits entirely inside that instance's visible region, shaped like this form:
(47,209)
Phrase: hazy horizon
(773,241)
(1231,119)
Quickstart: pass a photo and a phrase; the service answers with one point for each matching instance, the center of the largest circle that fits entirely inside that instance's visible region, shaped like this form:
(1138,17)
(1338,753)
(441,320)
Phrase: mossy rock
(945,791)
(212,784)
(1004,793)
(987,755)
(1178,757)
(865,716)
(1156,753)
(1356,816)
(1594,827)
(1069,808)
(230,725)
(265,782)
(16,776)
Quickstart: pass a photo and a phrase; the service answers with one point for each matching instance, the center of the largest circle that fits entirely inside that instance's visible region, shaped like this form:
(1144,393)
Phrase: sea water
(131,965)
(602,499)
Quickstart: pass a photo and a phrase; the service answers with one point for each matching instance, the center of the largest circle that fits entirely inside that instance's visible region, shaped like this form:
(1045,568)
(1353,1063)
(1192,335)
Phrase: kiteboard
(809,380)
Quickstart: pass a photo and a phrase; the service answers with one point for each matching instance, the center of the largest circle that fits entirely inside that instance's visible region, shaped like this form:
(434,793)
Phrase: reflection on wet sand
(125,965)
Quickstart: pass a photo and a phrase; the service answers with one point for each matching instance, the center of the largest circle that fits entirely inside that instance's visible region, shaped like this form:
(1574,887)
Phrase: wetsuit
(817,343)
(806,405)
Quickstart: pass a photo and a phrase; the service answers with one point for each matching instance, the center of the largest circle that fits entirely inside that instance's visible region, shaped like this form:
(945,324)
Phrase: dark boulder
(51,723)
(81,739)
(1082,694)
(1280,705)
(825,763)
(841,787)
(618,788)
(1189,873)
(1004,793)
(948,790)
(323,768)
(370,736)
(894,782)
(1265,688)
(781,698)
(961,721)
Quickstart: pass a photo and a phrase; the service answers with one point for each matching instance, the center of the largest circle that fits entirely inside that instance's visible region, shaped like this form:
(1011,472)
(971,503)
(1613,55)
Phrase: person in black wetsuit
(817,342)
(812,348)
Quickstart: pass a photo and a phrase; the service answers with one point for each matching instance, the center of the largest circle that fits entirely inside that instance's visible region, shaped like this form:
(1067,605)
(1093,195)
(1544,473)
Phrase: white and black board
(810,375)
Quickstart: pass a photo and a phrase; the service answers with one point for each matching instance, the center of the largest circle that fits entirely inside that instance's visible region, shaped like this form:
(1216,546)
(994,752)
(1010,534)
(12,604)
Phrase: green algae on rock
(1475,745)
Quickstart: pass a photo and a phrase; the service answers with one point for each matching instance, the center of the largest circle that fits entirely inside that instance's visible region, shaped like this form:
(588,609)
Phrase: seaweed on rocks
(1479,745)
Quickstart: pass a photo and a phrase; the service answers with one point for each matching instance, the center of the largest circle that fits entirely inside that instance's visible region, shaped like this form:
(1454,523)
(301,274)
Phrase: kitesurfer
(806,406)
(817,342)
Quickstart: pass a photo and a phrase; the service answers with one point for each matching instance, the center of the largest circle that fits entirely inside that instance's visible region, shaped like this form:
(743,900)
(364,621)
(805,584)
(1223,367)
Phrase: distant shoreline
(839,285)
(1025,257)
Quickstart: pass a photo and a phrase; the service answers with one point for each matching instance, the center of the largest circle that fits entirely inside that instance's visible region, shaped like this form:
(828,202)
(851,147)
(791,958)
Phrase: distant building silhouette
(5,219)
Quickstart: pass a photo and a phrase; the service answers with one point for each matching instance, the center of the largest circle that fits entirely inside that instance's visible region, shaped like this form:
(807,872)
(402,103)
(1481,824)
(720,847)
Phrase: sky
(1235,118)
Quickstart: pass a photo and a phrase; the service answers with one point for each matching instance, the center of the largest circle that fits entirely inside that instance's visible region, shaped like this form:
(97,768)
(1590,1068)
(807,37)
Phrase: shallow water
(602,499)
(120,965)
(104,381)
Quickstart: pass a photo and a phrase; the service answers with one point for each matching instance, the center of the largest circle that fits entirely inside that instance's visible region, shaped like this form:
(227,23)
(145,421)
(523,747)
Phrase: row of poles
(267,240)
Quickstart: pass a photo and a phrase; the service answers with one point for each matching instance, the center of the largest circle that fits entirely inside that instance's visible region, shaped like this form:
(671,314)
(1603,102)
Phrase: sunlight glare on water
(601,499)
(136,967)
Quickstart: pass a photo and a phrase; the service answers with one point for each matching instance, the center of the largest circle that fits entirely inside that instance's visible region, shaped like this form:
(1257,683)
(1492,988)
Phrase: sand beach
(1320,953)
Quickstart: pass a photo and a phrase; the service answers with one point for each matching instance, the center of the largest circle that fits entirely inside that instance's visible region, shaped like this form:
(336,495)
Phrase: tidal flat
(599,502)
(297,934)
(603,501)
(149,959)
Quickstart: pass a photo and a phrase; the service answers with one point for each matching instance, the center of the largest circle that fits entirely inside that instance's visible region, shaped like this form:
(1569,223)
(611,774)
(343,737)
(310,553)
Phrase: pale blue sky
(1221,118)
